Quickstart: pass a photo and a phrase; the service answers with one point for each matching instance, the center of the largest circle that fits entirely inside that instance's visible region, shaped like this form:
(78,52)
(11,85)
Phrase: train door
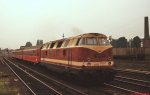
(42,55)
(22,54)
(38,56)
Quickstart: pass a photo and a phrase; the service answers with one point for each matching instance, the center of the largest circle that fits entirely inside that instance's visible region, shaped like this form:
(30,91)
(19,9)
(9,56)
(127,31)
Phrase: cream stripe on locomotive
(98,49)
(78,64)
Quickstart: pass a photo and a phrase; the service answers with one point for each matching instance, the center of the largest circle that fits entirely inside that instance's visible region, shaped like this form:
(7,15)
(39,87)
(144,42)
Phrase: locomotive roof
(58,40)
(80,36)
(90,35)
(83,35)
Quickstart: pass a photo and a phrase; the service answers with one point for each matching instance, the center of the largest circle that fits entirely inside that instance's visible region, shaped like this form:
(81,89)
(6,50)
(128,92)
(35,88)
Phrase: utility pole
(63,36)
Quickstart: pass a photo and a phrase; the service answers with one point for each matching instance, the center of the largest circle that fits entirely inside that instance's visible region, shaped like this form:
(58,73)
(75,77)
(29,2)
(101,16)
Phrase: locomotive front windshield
(93,41)
(103,41)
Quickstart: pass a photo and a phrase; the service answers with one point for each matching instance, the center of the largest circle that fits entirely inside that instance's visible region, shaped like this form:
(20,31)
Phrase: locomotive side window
(59,44)
(91,41)
(52,45)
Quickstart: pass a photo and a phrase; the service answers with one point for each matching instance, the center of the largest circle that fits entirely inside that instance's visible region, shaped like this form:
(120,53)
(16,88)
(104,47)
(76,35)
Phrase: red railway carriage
(32,54)
(89,52)
(17,54)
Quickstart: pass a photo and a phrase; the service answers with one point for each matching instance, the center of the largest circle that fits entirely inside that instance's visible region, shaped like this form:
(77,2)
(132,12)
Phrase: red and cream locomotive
(84,56)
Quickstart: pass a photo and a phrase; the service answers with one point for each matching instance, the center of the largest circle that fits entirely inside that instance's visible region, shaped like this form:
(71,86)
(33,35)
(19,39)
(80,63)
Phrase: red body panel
(30,58)
(18,56)
(79,54)
(32,55)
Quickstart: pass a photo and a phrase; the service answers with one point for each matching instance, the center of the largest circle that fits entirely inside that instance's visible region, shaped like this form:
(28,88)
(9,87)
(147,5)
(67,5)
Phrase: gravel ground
(9,83)
(132,64)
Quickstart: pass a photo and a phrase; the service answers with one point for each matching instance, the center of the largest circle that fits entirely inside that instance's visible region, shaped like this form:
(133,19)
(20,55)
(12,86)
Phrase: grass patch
(5,88)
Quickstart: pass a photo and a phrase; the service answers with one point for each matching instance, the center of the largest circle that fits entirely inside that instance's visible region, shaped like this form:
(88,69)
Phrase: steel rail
(124,89)
(58,93)
(132,83)
(133,71)
(138,80)
(18,77)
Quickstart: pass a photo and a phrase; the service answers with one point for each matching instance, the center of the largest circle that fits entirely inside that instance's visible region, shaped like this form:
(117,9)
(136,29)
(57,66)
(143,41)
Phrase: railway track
(142,83)
(47,85)
(34,85)
(131,81)
(132,71)
(122,85)
(137,76)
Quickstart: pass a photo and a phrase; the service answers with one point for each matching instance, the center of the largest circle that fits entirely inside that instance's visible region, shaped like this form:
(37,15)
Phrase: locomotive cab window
(103,41)
(81,41)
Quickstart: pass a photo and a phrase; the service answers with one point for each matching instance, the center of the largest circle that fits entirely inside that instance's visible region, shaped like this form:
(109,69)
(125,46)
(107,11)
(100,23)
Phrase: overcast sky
(29,20)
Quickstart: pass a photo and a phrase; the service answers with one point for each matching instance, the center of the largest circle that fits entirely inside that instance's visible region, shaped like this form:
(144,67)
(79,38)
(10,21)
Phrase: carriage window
(91,41)
(52,45)
(103,41)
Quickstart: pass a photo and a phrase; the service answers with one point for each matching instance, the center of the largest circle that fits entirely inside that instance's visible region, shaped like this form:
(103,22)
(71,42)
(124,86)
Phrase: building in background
(39,42)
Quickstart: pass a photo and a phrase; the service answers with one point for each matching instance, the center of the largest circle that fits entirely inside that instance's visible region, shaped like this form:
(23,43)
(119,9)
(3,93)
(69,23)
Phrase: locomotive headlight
(88,59)
(109,63)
